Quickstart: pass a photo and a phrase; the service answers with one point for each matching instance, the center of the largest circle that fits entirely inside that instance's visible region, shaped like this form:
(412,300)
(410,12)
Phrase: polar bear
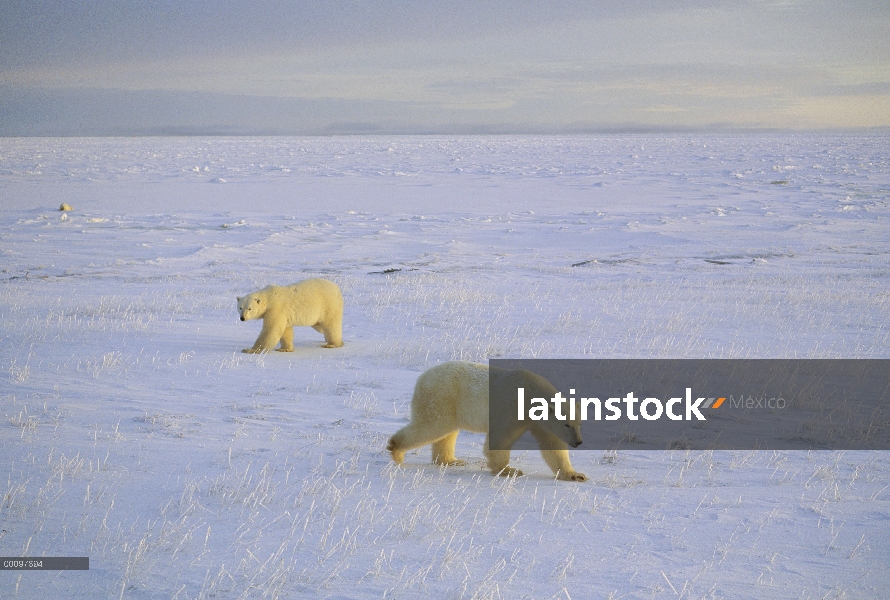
(315,303)
(454,396)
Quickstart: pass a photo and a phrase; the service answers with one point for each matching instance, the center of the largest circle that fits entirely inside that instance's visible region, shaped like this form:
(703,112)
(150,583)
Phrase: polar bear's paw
(572,476)
(509,472)
(398,455)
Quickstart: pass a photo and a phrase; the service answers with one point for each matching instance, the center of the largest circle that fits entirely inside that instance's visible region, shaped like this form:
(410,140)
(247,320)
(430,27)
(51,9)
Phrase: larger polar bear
(454,396)
(315,303)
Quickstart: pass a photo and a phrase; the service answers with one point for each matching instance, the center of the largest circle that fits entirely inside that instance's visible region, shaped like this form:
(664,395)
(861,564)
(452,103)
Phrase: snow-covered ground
(134,431)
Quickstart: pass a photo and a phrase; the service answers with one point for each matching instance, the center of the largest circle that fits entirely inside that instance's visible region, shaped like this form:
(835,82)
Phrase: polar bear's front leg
(556,455)
(268,338)
(559,463)
(498,461)
(287,340)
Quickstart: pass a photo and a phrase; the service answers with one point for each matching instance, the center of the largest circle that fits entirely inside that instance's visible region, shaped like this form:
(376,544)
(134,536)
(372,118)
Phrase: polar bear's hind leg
(333,331)
(443,451)
(411,436)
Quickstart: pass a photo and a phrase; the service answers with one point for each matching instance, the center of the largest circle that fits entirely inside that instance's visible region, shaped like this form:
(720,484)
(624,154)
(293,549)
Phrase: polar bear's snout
(242,317)
(575,438)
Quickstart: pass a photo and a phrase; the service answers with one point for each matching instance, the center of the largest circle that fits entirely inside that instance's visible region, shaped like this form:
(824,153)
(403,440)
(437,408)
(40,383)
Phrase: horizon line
(359,132)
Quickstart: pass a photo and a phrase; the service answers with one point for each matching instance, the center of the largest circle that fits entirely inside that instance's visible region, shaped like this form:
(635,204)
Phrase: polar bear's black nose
(576,444)
(242,318)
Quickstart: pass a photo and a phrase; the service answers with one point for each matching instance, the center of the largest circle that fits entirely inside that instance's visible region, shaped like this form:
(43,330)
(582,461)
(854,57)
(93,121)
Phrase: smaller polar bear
(454,396)
(315,303)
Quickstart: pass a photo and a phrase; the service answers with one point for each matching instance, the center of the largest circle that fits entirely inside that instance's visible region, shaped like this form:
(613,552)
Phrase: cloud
(410,66)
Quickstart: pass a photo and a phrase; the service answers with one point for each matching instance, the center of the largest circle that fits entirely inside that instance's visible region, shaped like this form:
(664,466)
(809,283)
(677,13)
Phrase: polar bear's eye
(567,425)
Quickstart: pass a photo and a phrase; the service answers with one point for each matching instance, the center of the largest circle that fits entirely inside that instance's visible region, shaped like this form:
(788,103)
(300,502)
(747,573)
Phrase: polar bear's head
(251,306)
(568,430)
(560,425)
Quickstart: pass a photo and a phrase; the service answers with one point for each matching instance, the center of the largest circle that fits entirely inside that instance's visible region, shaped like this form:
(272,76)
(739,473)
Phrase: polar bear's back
(454,392)
(317,288)
(313,301)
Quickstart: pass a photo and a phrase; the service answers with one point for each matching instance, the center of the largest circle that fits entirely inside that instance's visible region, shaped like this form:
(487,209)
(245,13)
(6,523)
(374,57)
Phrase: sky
(137,67)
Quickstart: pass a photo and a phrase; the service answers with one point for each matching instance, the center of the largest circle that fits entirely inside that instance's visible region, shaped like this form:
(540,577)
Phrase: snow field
(135,433)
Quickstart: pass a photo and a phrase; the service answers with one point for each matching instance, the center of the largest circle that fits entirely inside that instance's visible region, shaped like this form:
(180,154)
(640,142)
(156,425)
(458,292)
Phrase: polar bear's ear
(238,298)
